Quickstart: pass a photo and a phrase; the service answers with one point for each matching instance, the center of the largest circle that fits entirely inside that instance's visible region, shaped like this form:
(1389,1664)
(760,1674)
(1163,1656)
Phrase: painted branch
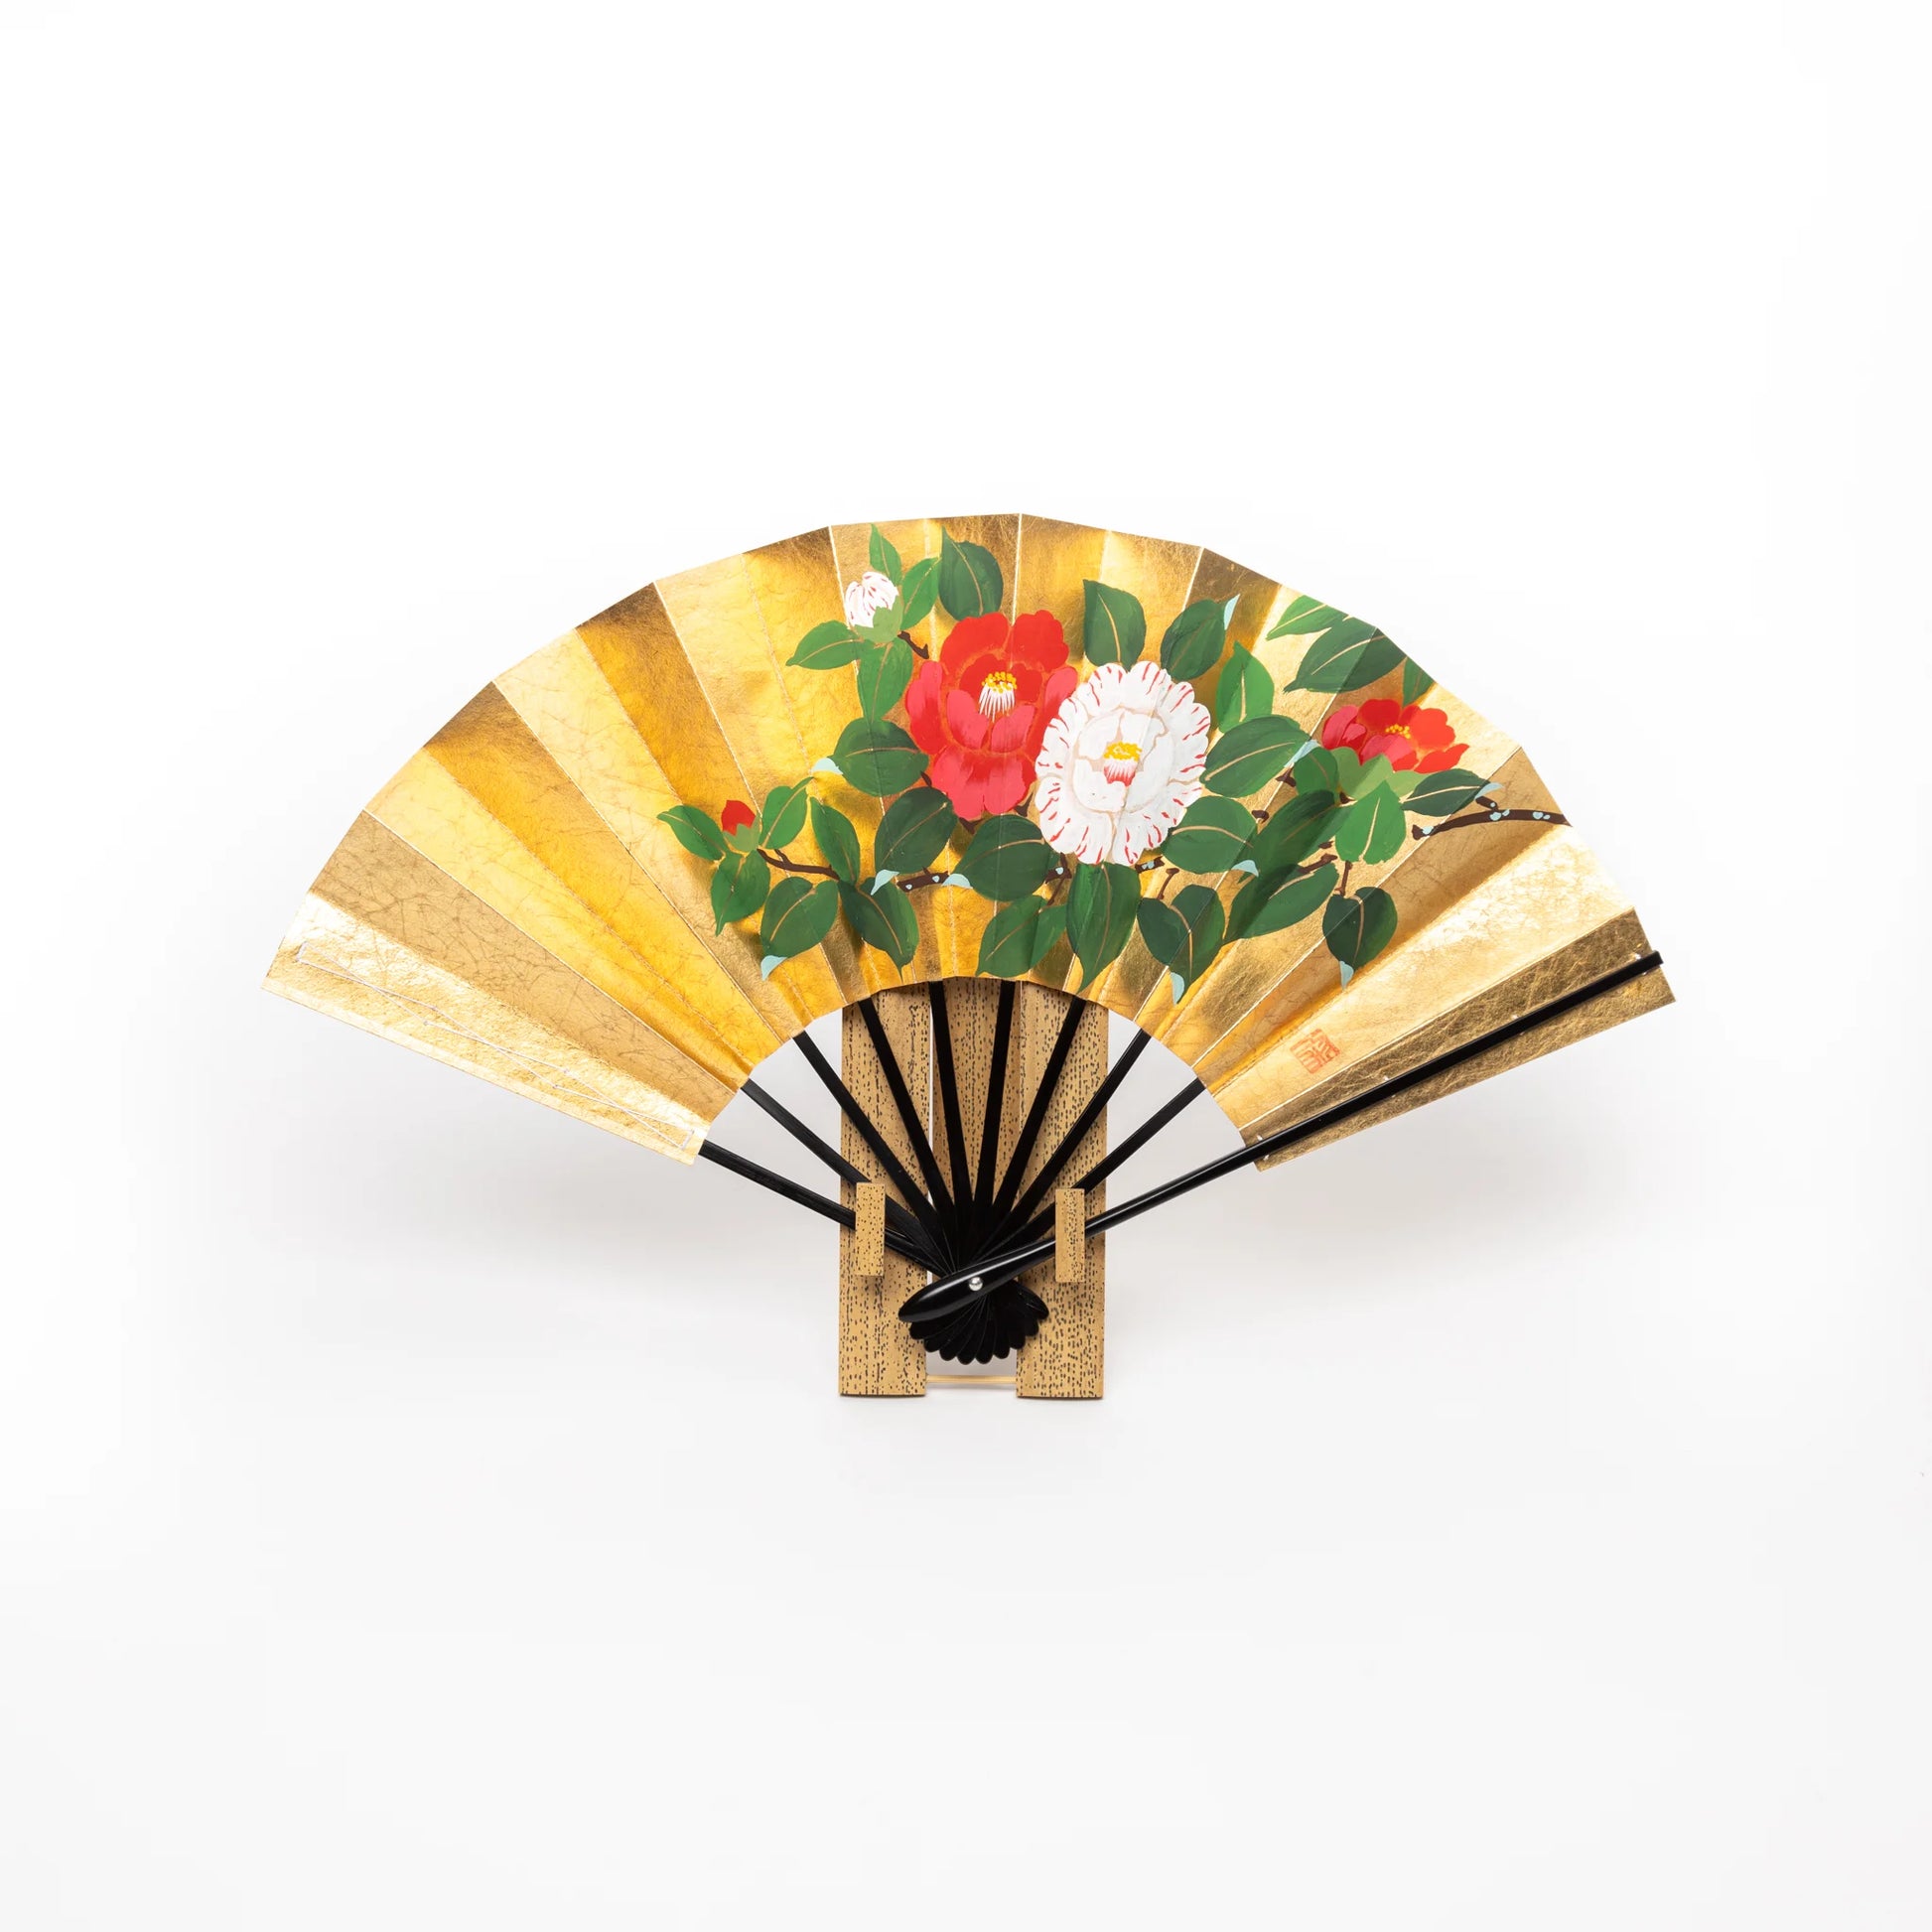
(1518,817)
(784,863)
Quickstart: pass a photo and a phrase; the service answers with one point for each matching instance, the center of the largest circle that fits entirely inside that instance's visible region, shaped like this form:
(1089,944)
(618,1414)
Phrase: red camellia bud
(735,814)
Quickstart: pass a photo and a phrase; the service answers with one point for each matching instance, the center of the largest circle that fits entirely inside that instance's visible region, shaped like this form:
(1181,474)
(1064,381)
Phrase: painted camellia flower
(735,814)
(1121,764)
(981,707)
(1410,738)
(875,591)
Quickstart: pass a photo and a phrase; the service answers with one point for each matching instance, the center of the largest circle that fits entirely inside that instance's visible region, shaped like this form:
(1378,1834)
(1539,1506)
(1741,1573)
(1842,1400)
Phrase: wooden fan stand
(877,1354)
(980,1226)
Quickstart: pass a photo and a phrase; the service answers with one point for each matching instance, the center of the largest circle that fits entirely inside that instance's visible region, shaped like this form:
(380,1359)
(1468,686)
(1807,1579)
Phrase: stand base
(878,1356)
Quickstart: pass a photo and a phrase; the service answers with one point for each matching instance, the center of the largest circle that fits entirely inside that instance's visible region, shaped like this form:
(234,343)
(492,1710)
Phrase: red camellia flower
(981,707)
(1410,738)
(735,814)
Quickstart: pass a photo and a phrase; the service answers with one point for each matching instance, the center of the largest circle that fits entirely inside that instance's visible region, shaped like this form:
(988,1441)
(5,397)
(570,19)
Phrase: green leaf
(1373,827)
(1369,774)
(884,624)
(1306,613)
(1357,928)
(1100,908)
(1185,936)
(1415,680)
(1050,930)
(885,918)
(697,831)
(970,584)
(913,831)
(1278,899)
(877,758)
(782,816)
(838,839)
(1438,793)
(738,887)
(1346,656)
(882,557)
(1246,690)
(1019,936)
(883,673)
(825,646)
(1007,858)
(1212,834)
(1293,834)
(1114,630)
(1344,770)
(1316,770)
(798,916)
(1163,930)
(903,918)
(1241,762)
(1192,644)
(915,595)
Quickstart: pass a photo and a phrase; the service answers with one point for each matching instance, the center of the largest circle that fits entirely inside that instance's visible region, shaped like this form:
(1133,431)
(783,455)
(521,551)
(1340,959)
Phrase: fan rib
(996,1094)
(942,1060)
(1155,1122)
(893,1167)
(1018,1228)
(1050,1080)
(908,1115)
(895,1214)
(1069,1142)
(792,1191)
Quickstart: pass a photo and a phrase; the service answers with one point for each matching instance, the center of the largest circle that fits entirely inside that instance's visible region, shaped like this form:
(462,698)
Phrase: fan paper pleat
(514,903)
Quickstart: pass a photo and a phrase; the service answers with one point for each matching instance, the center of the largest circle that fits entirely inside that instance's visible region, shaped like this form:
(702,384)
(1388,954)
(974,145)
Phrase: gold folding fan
(996,749)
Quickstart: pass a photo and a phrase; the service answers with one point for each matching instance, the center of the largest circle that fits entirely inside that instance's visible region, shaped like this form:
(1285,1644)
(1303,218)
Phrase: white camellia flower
(875,591)
(1120,764)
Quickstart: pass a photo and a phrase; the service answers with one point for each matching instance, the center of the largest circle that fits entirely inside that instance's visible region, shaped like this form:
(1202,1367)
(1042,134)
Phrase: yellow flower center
(996,694)
(1122,753)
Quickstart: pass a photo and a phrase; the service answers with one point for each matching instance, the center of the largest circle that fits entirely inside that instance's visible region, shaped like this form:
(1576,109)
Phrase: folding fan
(976,782)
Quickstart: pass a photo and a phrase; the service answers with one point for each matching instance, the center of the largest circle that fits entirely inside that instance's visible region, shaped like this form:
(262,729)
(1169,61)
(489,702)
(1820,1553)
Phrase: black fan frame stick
(948,1080)
(996,1094)
(1022,1148)
(792,1191)
(937,1296)
(1069,1142)
(1101,1168)
(896,1214)
(908,1115)
(894,1167)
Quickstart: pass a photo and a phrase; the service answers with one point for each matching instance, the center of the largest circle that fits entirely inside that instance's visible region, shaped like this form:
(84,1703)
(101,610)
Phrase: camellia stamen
(1121,760)
(996,694)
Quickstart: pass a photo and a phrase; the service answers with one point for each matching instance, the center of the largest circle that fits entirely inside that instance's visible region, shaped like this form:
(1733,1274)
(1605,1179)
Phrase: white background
(421,1509)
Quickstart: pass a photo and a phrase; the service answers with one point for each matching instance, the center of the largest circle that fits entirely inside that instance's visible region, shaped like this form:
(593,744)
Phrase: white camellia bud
(872,592)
